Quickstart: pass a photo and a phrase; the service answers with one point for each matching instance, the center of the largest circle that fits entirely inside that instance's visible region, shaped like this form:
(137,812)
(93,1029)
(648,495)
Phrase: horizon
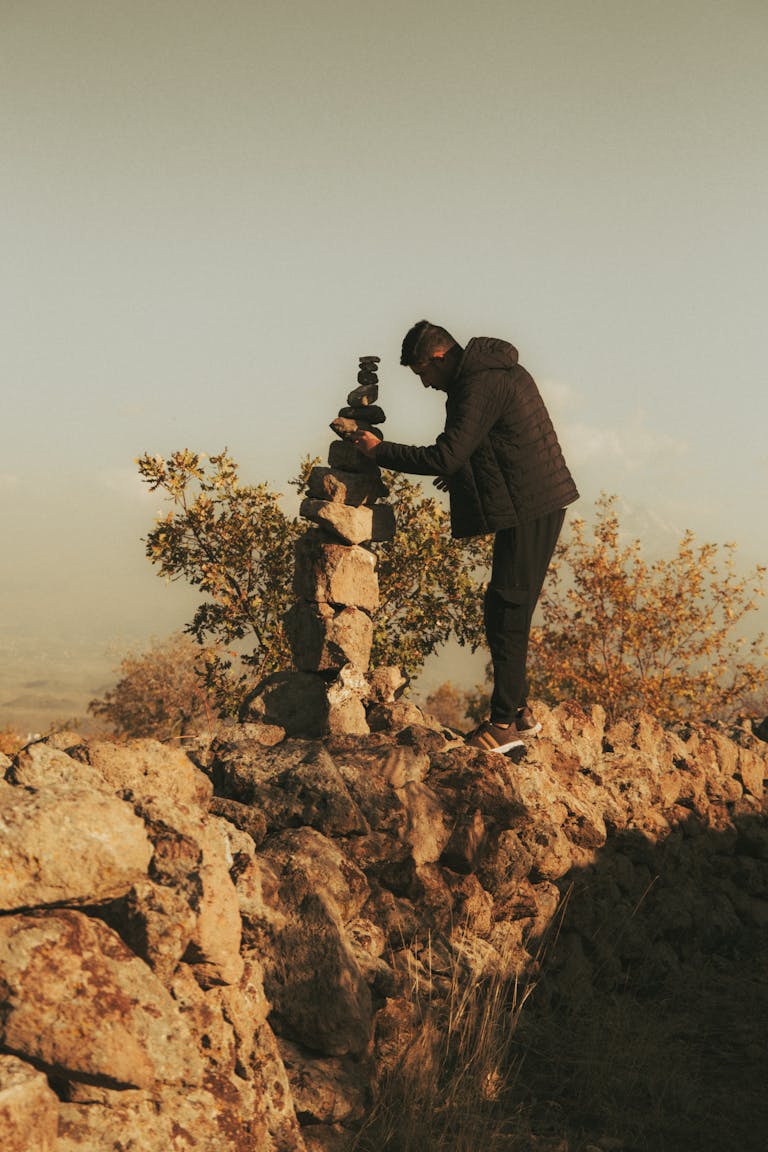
(211,213)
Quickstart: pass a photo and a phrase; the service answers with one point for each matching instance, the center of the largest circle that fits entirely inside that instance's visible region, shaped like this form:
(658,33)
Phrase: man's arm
(479,406)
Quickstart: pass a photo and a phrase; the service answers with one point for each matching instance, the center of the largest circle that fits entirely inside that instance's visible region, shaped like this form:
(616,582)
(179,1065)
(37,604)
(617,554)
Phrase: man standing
(501,463)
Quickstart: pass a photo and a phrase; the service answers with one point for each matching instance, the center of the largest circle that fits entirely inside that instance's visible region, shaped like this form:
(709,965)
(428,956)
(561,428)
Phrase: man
(501,463)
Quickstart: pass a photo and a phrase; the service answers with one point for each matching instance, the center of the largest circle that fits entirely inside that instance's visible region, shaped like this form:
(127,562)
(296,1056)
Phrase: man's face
(433,373)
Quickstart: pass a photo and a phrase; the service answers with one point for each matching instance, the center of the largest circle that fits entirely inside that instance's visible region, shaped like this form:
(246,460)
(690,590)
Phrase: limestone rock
(394,716)
(324,638)
(149,768)
(306,861)
(334,573)
(243,816)
(215,945)
(320,997)
(29,1110)
(386,684)
(319,994)
(79,1003)
(295,784)
(196,1120)
(157,922)
(353,525)
(43,766)
(346,712)
(67,845)
(331,1090)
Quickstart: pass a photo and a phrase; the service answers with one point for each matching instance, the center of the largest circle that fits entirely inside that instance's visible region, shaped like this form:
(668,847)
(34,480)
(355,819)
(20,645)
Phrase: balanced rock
(334,573)
(343,455)
(353,488)
(323,638)
(372,414)
(347,428)
(366,393)
(350,524)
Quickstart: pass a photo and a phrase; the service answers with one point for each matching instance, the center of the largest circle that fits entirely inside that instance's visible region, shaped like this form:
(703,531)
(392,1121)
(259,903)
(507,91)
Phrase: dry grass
(500,1066)
(448,1090)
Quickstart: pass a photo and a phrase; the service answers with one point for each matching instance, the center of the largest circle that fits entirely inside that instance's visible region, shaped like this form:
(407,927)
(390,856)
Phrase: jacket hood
(484,352)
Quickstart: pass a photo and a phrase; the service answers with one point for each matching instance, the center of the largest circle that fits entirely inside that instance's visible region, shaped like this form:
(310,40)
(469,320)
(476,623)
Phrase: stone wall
(216,951)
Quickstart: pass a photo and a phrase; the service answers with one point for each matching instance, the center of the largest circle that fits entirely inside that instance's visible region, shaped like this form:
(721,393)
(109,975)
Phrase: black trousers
(521,557)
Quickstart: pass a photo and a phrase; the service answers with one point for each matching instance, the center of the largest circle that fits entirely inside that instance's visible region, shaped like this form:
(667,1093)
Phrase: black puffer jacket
(499,452)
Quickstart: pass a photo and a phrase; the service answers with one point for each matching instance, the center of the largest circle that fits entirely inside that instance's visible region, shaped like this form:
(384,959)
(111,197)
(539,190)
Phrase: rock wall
(216,951)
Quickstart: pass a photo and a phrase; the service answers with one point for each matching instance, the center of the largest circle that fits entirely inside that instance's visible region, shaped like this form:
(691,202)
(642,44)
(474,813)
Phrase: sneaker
(526,723)
(490,737)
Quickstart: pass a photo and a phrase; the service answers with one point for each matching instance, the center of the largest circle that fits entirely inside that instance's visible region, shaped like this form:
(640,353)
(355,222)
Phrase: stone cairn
(329,628)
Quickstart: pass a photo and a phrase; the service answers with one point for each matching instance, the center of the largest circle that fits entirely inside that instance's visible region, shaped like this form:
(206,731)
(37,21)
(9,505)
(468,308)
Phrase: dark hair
(424,340)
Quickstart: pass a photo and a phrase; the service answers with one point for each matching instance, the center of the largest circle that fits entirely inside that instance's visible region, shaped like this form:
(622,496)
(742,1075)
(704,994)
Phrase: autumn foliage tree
(664,636)
(160,692)
(236,544)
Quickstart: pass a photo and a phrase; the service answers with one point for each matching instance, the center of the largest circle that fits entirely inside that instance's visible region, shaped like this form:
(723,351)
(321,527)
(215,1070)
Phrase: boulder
(386,684)
(77,1002)
(29,1110)
(43,766)
(149,768)
(67,845)
(295,784)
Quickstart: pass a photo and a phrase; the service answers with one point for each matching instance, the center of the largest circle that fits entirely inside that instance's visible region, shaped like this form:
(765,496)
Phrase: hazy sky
(210,210)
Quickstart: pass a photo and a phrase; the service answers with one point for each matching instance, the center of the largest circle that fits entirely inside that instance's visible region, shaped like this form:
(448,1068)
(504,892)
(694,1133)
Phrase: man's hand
(366,442)
(440,483)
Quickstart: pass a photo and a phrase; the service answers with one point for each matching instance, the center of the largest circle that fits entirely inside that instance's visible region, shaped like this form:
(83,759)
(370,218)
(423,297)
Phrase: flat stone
(367,376)
(372,413)
(353,488)
(353,525)
(346,428)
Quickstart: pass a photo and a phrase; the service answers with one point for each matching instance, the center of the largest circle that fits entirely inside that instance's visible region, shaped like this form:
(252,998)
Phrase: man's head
(432,353)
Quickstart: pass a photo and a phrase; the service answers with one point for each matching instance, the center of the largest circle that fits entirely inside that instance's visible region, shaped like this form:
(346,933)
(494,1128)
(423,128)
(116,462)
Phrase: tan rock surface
(29,1110)
(351,525)
(335,573)
(65,845)
(149,768)
(80,1003)
(324,638)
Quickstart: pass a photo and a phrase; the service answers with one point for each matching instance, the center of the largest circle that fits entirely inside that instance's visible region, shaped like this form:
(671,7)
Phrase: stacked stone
(330,628)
